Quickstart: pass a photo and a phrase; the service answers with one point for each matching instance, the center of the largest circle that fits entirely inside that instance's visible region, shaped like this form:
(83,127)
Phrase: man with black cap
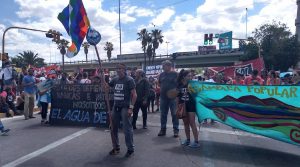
(124,100)
(167,81)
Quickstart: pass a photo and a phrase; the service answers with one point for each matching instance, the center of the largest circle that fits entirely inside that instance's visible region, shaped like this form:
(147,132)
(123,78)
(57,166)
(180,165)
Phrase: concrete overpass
(182,61)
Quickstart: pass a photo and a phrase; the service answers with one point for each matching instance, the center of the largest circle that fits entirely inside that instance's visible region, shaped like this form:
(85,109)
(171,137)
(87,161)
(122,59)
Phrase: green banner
(271,111)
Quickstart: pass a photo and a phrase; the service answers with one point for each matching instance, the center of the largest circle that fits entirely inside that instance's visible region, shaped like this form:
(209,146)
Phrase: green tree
(157,38)
(144,37)
(279,48)
(108,48)
(250,49)
(28,58)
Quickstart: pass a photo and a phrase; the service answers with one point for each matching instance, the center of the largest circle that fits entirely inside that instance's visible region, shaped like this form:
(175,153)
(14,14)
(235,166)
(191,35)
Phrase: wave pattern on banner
(271,111)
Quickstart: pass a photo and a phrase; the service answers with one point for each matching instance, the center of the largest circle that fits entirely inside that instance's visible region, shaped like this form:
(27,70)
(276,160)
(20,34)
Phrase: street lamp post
(167,42)
(14,27)
(86,46)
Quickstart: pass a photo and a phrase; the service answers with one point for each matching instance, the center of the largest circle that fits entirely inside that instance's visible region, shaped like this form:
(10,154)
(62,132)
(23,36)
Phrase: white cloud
(214,16)
(184,32)
(163,17)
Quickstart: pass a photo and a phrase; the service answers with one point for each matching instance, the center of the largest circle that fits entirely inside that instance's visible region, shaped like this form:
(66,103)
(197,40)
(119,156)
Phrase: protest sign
(82,105)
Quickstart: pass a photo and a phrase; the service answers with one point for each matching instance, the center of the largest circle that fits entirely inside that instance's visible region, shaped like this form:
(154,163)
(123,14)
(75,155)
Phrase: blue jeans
(118,114)
(1,126)
(165,105)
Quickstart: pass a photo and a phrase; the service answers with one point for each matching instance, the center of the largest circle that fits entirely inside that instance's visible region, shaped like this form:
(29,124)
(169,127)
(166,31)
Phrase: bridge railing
(178,54)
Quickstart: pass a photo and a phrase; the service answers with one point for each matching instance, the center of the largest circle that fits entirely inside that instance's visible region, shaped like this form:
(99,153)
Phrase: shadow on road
(239,153)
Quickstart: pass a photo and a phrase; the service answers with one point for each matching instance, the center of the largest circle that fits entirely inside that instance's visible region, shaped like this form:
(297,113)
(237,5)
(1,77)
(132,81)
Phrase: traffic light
(208,39)
(205,39)
(49,34)
(54,34)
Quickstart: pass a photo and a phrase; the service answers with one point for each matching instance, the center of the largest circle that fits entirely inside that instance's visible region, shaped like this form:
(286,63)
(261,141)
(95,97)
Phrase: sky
(183,23)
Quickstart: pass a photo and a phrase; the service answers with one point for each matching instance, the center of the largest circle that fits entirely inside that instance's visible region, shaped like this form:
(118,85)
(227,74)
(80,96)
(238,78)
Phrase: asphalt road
(33,145)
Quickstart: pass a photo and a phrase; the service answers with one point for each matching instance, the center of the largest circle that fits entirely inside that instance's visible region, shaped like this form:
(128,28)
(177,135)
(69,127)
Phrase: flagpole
(99,61)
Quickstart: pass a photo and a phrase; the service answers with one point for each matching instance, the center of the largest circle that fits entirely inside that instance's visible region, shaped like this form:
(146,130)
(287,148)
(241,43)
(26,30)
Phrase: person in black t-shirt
(124,100)
(142,90)
(190,107)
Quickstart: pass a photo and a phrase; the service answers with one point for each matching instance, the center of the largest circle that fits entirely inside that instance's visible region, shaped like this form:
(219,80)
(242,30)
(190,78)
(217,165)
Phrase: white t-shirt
(7,73)
(85,81)
(42,79)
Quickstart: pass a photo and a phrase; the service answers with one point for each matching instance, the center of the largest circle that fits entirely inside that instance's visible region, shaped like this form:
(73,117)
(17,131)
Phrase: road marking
(211,130)
(46,148)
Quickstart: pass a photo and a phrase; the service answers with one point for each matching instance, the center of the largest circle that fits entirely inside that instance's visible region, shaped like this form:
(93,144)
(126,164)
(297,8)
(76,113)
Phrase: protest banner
(82,105)
(244,68)
(271,111)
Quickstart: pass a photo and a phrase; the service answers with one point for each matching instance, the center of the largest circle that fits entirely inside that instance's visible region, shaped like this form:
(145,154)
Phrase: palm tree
(28,58)
(144,37)
(157,38)
(108,48)
(149,51)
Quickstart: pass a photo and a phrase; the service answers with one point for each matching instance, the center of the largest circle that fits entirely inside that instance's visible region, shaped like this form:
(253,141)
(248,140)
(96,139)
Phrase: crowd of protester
(132,91)
(255,78)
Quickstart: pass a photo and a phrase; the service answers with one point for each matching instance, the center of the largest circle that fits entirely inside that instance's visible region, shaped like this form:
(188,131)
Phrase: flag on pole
(75,20)
(271,111)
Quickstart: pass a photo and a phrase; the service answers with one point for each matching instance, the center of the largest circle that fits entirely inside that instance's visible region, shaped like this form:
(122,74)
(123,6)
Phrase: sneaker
(186,142)
(31,117)
(194,145)
(4,132)
(134,127)
(162,133)
(129,153)
(145,127)
(114,151)
(176,134)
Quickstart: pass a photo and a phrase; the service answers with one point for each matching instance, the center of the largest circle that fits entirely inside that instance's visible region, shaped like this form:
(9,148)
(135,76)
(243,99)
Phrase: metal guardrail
(114,60)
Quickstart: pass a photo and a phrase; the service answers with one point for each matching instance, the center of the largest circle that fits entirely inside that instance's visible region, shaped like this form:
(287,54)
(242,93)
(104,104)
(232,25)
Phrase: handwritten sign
(82,105)
(45,85)
(153,70)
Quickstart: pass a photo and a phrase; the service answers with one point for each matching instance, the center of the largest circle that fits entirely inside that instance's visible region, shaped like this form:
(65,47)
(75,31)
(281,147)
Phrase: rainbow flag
(271,111)
(76,23)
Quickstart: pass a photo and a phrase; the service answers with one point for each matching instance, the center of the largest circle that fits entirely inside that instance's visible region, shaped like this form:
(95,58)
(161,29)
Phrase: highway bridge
(187,60)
